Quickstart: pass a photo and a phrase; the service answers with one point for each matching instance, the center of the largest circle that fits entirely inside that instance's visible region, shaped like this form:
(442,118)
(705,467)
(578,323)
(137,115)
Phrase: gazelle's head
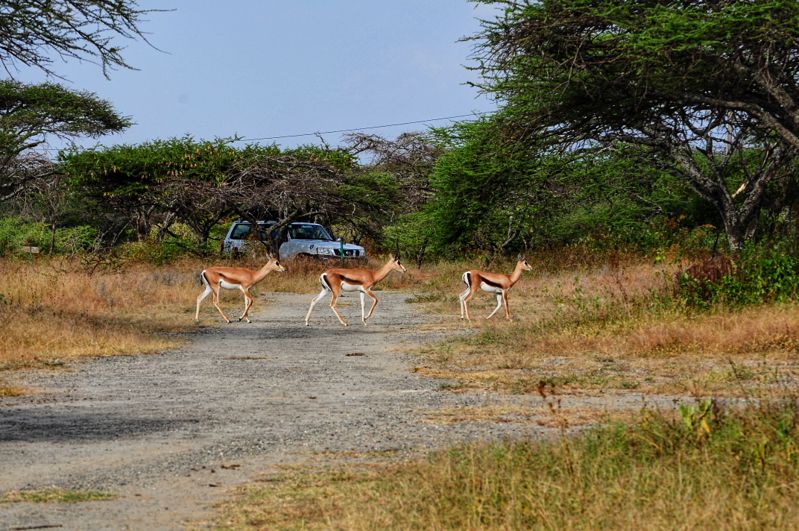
(523,261)
(396,265)
(275,265)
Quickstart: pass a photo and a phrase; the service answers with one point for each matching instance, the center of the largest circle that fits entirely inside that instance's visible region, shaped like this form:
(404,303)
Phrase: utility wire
(352,129)
(348,130)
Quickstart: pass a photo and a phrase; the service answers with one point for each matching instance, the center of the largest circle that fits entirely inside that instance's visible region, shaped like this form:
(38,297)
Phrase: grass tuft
(55,495)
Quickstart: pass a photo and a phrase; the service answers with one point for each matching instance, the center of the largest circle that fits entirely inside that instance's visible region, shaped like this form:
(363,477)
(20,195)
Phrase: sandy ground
(171,434)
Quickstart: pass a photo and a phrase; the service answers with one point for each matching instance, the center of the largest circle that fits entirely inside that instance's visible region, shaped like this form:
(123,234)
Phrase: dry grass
(564,417)
(612,326)
(729,470)
(55,311)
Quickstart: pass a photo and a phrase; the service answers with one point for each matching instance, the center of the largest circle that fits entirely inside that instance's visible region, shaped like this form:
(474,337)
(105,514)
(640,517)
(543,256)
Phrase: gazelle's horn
(397,255)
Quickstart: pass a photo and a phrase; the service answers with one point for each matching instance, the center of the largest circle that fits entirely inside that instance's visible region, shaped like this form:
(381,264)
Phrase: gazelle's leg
(507,309)
(201,297)
(472,290)
(316,299)
(462,299)
(466,278)
(363,311)
(498,296)
(216,303)
(333,300)
(374,304)
(248,300)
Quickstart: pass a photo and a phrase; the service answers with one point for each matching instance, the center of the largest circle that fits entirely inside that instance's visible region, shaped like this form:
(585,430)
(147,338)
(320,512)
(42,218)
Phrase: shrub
(764,274)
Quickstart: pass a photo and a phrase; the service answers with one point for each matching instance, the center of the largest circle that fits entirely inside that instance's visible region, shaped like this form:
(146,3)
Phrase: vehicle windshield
(308,231)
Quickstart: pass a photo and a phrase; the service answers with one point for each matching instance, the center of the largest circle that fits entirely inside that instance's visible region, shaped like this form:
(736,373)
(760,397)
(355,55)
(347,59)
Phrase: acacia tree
(29,113)
(409,159)
(33,32)
(157,183)
(698,82)
(303,183)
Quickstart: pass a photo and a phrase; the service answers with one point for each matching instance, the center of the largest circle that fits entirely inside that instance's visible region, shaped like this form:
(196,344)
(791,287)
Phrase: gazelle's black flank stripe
(492,284)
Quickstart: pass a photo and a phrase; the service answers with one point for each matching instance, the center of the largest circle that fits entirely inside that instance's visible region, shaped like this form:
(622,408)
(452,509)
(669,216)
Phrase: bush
(16,233)
(764,274)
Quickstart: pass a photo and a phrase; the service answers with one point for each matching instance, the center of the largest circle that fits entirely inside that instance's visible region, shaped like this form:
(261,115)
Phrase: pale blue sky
(267,68)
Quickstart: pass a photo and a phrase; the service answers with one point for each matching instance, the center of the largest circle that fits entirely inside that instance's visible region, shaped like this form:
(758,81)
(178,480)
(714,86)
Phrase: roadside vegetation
(706,466)
(626,326)
(55,495)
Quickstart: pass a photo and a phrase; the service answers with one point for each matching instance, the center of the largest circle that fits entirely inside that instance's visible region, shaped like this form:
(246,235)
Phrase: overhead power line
(348,130)
(367,128)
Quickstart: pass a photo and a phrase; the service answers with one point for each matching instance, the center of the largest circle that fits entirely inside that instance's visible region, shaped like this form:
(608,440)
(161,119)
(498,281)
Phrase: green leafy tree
(156,183)
(29,113)
(697,83)
(496,195)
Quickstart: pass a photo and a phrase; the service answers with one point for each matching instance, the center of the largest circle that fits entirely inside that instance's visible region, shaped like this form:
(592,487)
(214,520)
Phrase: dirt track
(170,434)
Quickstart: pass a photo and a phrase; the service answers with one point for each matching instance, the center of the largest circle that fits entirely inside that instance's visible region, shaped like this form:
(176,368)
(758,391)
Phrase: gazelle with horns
(241,278)
(334,281)
(497,283)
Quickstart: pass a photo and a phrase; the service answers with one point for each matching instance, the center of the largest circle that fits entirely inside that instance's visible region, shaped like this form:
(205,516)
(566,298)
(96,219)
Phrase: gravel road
(171,434)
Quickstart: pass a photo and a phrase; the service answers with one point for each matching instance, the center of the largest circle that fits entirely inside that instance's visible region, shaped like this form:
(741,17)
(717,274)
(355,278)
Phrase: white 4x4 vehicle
(302,239)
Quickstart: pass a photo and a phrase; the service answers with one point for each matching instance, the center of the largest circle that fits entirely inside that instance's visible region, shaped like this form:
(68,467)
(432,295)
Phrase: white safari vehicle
(302,239)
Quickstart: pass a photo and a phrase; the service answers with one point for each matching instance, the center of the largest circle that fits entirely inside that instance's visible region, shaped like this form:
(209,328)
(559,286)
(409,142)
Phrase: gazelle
(239,278)
(335,281)
(496,283)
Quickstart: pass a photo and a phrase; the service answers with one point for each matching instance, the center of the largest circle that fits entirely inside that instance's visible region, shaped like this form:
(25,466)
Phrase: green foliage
(493,194)
(180,242)
(129,170)
(670,77)
(765,273)
(16,233)
(29,111)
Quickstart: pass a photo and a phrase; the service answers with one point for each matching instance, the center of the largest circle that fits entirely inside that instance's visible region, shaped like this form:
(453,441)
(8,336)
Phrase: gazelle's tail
(467,279)
(203,279)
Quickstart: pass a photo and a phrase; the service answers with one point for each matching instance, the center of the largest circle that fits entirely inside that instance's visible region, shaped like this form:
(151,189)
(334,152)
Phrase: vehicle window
(308,231)
(240,231)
